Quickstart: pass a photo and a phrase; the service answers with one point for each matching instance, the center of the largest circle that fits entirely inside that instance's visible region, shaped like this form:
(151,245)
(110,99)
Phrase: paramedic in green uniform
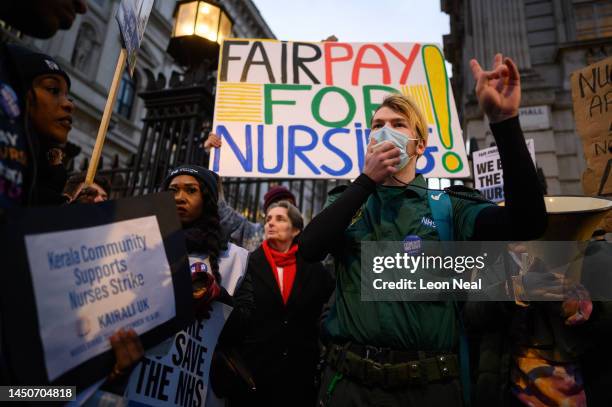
(405,353)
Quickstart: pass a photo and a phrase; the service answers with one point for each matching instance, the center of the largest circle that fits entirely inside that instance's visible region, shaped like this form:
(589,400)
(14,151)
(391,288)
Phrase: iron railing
(177,119)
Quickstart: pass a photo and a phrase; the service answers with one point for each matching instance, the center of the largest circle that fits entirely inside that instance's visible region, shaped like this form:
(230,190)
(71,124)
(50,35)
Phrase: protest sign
(176,372)
(296,109)
(132,17)
(107,265)
(488,171)
(592,95)
(81,272)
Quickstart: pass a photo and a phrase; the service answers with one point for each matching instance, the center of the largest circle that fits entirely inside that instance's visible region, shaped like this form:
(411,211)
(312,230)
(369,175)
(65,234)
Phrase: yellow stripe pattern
(420,94)
(239,102)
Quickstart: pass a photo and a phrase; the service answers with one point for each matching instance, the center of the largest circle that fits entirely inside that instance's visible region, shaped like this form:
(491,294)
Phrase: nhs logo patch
(425,221)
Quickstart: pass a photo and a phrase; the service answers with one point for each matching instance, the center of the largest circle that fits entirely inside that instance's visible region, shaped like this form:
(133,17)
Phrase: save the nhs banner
(297,109)
(176,372)
(90,282)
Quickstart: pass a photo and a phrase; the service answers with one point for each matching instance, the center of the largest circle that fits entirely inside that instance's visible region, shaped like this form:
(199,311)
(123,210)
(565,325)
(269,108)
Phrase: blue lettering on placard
(429,160)
(348,164)
(295,150)
(260,150)
(363,138)
(117,315)
(58,260)
(246,159)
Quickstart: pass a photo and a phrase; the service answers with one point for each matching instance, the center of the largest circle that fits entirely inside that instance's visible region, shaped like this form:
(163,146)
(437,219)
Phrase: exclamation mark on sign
(439,91)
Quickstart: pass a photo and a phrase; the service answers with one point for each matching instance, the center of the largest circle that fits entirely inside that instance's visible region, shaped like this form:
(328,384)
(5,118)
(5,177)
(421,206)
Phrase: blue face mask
(399,140)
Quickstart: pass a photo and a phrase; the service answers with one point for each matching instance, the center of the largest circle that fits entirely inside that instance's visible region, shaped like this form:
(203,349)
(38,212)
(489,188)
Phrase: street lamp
(176,113)
(199,29)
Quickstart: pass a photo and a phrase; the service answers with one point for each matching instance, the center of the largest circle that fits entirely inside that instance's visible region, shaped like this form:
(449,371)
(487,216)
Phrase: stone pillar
(499,26)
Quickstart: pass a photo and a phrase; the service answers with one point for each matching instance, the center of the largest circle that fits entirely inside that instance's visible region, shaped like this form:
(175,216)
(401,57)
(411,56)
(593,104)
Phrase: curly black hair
(204,234)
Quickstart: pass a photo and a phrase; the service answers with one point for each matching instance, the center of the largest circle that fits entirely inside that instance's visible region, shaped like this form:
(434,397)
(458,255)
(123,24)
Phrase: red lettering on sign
(407,62)
(329,59)
(359,64)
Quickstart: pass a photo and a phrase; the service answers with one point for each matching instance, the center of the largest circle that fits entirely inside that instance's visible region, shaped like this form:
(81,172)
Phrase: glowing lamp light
(199,29)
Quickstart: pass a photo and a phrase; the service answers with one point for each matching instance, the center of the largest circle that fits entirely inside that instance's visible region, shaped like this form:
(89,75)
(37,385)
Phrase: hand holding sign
(499,90)
(212,141)
(128,351)
(380,161)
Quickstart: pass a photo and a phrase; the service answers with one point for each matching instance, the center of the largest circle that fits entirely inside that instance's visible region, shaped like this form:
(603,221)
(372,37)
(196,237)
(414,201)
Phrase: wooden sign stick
(106,116)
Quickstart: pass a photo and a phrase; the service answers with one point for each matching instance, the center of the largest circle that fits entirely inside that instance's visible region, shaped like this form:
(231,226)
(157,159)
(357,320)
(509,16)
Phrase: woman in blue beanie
(217,266)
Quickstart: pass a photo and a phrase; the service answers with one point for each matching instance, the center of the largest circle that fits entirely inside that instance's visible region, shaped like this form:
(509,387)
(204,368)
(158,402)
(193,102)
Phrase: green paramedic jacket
(391,214)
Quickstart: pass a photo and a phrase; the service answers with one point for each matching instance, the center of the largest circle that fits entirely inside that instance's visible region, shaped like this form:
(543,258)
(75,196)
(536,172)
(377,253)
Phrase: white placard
(90,282)
(175,373)
(303,110)
(488,172)
(184,360)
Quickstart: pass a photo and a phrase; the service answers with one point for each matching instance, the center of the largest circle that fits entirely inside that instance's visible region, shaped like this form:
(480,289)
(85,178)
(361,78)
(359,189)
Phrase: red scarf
(287,262)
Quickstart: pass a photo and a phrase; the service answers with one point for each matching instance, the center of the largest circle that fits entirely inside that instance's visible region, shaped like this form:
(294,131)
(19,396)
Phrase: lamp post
(199,29)
(177,114)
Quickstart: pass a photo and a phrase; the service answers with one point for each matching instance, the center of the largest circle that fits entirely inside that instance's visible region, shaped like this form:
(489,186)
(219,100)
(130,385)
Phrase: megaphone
(571,222)
(574,218)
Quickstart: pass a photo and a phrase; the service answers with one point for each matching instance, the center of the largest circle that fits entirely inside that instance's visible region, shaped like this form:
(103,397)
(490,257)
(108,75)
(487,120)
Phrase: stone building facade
(549,39)
(89,51)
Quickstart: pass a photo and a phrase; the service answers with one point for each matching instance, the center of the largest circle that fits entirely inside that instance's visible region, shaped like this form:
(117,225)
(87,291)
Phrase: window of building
(86,49)
(593,19)
(126,95)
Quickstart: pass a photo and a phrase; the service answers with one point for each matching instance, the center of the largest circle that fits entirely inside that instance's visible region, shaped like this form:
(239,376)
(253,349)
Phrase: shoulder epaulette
(463,192)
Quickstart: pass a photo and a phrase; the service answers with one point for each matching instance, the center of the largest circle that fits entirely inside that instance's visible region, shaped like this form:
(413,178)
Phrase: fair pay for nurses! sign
(298,109)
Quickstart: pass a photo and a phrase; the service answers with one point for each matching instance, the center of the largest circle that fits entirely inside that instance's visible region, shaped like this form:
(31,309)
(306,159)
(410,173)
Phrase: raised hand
(212,141)
(499,90)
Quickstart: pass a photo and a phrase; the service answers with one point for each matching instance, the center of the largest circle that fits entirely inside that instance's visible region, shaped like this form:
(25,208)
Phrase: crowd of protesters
(300,335)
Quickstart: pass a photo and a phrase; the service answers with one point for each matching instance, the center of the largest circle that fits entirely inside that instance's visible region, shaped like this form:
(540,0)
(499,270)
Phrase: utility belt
(388,368)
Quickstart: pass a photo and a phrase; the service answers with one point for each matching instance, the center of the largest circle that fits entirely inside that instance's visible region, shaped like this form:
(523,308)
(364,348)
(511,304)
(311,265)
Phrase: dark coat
(279,343)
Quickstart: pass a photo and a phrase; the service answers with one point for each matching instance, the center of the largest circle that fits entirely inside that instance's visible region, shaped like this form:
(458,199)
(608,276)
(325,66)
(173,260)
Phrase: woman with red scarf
(274,326)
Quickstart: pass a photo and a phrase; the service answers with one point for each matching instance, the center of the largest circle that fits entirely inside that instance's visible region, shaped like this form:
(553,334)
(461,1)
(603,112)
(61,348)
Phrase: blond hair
(407,107)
